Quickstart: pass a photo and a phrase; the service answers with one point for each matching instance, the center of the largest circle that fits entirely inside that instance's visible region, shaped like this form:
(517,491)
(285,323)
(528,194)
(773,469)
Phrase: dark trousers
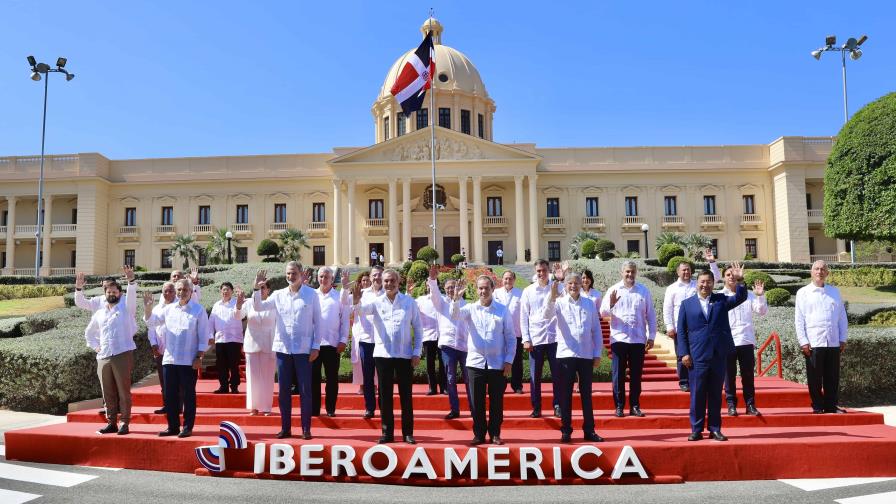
(537,356)
(743,356)
(433,354)
(390,371)
(680,368)
(294,368)
(570,369)
(453,359)
(706,397)
(180,390)
(823,376)
(627,356)
(368,370)
(500,260)
(158,361)
(516,370)
(327,362)
(227,363)
(492,381)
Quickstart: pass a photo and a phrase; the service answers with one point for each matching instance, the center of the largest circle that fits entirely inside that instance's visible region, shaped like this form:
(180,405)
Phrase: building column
(533,218)
(464,219)
(337,229)
(791,218)
(47,240)
(10,236)
(394,251)
(350,222)
(477,220)
(518,196)
(406,216)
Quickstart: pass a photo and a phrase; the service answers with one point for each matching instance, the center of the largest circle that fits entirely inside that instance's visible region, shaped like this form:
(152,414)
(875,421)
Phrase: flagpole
(432,136)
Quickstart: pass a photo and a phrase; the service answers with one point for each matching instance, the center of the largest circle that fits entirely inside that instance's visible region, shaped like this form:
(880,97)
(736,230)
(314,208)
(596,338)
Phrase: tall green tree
(185,247)
(292,241)
(860,180)
(216,250)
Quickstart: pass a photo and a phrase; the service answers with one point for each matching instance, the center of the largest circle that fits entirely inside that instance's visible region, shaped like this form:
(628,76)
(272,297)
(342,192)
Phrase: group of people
(301,332)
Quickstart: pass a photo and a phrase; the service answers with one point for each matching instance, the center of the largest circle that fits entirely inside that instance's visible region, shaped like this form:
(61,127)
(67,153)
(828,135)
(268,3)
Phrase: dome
(454,71)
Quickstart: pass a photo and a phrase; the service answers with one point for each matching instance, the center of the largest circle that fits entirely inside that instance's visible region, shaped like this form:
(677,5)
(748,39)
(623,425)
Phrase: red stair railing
(762,371)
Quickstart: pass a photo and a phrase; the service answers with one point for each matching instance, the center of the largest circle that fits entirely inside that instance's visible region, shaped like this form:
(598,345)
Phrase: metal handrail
(762,371)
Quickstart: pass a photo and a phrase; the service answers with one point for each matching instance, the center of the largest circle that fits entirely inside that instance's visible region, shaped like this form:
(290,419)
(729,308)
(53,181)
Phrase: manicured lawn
(869,294)
(22,307)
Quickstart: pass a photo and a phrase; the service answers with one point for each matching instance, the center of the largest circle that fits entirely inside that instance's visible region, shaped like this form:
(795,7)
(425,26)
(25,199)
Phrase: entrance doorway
(493,246)
(418,243)
(379,250)
(450,246)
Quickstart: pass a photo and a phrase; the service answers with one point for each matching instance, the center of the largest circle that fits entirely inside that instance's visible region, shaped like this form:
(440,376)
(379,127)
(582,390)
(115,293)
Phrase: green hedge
(865,276)
(30,291)
(667,252)
(884,319)
(777,297)
(672,265)
(751,276)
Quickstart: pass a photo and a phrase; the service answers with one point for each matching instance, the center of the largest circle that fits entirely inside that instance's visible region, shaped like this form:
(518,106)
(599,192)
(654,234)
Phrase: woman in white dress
(357,377)
(261,362)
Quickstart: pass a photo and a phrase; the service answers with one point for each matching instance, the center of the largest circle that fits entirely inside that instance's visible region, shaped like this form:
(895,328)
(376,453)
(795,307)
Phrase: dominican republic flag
(415,77)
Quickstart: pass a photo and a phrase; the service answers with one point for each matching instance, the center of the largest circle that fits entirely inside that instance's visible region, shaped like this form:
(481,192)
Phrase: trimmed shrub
(884,319)
(777,296)
(751,276)
(604,249)
(418,273)
(428,255)
(672,265)
(667,252)
(269,249)
(865,276)
(30,291)
(588,249)
(458,258)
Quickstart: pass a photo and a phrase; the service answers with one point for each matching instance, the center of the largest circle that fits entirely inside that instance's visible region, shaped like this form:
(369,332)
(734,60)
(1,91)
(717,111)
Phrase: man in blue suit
(704,342)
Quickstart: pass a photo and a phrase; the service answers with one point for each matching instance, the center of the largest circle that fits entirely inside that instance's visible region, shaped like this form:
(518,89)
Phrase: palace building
(759,200)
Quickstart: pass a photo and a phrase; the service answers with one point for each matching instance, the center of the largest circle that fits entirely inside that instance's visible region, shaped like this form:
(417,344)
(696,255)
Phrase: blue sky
(206,78)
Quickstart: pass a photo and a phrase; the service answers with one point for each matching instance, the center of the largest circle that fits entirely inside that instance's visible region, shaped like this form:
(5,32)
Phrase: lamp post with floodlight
(646,228)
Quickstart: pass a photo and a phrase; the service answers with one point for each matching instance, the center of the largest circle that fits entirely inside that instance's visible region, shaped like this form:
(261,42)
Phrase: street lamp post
(36,70)
(852,47)
(229,237)
(646,228)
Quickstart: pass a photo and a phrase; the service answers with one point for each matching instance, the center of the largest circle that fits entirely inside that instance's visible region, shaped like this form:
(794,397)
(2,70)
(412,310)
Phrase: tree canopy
(860,180)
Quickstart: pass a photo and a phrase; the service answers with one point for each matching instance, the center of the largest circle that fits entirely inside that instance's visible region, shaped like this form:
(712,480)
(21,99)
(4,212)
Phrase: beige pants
(115,380)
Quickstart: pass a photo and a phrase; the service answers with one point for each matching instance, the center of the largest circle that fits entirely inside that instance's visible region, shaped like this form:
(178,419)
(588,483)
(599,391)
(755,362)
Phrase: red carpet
(787,441)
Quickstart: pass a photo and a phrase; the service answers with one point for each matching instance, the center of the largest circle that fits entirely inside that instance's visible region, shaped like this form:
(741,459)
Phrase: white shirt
(578,327)
(225,324)
(499,253)
(196,296)
(373,255)
(429,318)
(393,320)
(333,317)
(260,328)
(297,330)
(594,295)
(534,328)
(632,313)
(111,329)
(741,318)
(452,332)
(186,331)
(156,335)
(678,292)
(93,304)
(704,305)
(491,342)
(362,326)
(820,316)
(511,299)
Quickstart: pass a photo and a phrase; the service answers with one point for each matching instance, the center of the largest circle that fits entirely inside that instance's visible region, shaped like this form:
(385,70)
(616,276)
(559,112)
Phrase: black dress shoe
(695,436)
(535,414)
(410,440)
(477,441)
(817,411)
(751,410)
(619,413)
(432,392)
(452,415)
(109,428)
(160,411)
(565,438)
(717,436)
(518,391)
(593,437)
(220,391)
(123,430)
(636,411)
(102,412)
(835,411)
(685,388)
(386,439)
(284,434)
(444,392)
(331,414)
(306,434)
(557,411)
(185,433)
(368,415)
(732,411)
(235,390)
(497,441)
(168,432)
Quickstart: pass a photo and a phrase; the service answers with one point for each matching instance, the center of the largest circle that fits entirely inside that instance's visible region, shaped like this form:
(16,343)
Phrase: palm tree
(695,244)
(216,250)
(575,245)
(292,241)
(185,247)
(667,237)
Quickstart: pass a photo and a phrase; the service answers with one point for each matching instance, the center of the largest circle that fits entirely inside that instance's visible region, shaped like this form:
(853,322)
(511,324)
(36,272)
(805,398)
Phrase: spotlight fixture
(816,53)
(830,40)
(60,62)
(32,61)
